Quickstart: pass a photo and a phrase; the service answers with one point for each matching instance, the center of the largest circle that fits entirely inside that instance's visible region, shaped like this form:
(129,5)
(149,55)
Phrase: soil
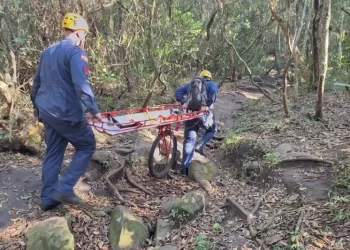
(296,190)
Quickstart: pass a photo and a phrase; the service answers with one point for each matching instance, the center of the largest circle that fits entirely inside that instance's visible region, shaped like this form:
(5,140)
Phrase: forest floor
(300,204)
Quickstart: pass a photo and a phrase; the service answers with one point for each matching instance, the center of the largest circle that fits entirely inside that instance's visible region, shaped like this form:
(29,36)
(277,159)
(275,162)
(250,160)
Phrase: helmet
(206,73)
(74,22)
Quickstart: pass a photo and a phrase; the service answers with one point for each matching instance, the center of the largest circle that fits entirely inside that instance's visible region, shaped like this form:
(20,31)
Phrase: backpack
(197,96)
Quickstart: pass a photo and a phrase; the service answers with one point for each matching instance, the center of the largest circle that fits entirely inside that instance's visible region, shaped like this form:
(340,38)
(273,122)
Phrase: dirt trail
(20,190)
(21,183)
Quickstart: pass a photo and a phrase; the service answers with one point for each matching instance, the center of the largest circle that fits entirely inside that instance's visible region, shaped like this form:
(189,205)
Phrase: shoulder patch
(86,70)
(84,58)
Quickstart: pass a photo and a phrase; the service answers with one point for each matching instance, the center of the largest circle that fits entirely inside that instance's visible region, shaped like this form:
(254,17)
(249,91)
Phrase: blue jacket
(212,91)
(60,87)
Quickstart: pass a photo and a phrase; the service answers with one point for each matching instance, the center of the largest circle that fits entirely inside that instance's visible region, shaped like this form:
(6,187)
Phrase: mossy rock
(32,137)
(190,205)
(102,157)
(50,234)
(126,230)
(162,231)
(167,204)
(202,171)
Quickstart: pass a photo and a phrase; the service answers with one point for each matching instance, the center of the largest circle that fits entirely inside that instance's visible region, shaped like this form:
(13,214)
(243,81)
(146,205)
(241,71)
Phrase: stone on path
(190,205)
(126,230)
(202,173)
(162,231)
(50,234)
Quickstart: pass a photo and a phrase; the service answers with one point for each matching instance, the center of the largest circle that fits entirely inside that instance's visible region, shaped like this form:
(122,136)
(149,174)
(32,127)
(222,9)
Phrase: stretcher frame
(165,143)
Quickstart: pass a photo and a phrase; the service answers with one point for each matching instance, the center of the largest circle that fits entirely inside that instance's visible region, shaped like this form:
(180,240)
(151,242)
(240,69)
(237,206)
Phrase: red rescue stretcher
(164,148)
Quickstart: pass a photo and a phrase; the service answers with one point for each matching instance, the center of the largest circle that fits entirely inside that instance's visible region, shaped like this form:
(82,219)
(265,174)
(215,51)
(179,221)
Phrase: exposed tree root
(114,188)
(134,183)
(126,190)
(306,159)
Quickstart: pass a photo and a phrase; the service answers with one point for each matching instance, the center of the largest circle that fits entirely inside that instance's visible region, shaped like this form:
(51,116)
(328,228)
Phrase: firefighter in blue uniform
(192,126)
(60,95)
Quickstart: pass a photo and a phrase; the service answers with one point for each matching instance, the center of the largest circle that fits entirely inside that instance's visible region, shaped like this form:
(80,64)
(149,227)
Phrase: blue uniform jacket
(212,91)
(60,87)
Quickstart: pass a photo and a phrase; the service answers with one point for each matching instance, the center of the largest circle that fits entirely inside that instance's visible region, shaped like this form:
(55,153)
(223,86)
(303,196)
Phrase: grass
(271,158)
(203,243)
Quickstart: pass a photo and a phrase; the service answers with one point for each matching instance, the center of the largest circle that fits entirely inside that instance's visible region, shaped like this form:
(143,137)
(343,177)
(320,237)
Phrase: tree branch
(249,71)
(347,12)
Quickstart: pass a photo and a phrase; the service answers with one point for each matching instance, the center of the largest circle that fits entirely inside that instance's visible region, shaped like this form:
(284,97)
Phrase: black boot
(184,171)
(70,198)
(49,207)
(200,150)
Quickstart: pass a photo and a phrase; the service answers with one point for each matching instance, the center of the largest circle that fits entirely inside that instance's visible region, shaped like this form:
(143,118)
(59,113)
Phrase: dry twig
(300,220)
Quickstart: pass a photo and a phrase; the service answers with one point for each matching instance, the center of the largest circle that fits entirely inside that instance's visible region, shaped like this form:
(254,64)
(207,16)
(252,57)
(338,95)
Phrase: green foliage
(342,176)
(203,243)
(231,140)
(271,158)
(339,208)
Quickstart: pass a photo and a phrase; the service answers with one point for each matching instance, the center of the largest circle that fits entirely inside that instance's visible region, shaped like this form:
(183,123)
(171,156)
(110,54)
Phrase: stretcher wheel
(162,155)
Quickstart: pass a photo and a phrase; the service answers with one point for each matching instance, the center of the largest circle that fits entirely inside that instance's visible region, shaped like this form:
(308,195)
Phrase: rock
(126,231)
(50,234)
(69,219)
(202,173)
(162,231)
(282,149)
(32,137)
(256,79)
(167,204)
(190,205)
(102,157)
(139,157)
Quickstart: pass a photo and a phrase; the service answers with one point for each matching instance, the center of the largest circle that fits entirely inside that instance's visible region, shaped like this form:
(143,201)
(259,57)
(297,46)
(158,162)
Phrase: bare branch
(347,12)
(248,69)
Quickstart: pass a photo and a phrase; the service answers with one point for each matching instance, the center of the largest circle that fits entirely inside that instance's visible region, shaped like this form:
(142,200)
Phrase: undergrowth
(203,243)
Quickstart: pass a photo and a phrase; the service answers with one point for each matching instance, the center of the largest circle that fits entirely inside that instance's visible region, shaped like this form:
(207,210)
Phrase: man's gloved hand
(97,117)
(204,108)
(184,106)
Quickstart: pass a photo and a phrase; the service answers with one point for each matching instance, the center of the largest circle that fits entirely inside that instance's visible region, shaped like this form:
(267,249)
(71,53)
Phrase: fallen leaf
(273,239)
(26,197)
(319,244)
(314,224)
(293,197)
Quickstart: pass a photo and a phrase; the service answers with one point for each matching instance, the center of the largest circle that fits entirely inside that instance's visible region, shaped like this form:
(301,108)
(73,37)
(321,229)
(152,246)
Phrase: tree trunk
(292,43)
(315,40)
(323,37)
(277,48)
(286,31)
